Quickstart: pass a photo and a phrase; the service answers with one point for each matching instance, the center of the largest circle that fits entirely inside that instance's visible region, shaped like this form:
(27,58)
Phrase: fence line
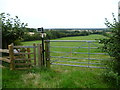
(48,57)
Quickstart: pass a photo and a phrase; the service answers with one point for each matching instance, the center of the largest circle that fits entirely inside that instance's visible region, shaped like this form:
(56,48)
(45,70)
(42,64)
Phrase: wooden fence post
(29,61)
(47,53)
(11,54)
(34,53)
(40,55)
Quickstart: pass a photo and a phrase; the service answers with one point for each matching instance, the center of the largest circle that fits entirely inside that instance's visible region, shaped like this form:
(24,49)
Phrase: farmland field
(59,76)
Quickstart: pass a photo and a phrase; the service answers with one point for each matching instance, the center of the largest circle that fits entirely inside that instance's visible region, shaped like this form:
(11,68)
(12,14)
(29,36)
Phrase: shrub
(112,47)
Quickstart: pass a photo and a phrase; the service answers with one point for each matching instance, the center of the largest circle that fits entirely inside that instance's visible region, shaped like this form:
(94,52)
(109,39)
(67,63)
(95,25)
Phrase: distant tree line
(53,34)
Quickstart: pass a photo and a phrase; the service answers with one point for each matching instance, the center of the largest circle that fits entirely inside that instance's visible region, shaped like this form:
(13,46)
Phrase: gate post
(40,61)
(11,54)
(47,53)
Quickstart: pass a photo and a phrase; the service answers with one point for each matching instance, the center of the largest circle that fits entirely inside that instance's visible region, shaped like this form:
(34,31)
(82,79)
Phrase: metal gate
(80,53)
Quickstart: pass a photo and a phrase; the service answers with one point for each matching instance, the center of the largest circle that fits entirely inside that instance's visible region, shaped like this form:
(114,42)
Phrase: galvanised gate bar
(83,53)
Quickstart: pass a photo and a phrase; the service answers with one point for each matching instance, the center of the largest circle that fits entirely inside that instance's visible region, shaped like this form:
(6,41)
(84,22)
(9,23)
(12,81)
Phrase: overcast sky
(61,13)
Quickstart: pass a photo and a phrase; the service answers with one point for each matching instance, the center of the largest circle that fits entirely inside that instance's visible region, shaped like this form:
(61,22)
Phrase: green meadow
(61,76)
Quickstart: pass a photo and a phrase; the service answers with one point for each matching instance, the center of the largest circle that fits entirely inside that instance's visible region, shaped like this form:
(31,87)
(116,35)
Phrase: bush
(112,77)
(112,47)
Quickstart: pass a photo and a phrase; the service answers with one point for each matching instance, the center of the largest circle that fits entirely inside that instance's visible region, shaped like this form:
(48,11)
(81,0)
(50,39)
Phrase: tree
(12,29)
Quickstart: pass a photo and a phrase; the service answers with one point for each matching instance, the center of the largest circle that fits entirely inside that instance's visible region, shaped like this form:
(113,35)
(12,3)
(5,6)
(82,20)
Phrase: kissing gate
(25,57)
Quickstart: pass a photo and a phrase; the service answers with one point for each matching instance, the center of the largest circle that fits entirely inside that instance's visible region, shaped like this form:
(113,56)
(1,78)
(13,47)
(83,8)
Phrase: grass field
(57,76)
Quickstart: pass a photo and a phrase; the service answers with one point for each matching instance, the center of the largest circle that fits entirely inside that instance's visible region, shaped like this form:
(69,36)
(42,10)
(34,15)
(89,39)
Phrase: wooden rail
(5,59)
(4,50)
